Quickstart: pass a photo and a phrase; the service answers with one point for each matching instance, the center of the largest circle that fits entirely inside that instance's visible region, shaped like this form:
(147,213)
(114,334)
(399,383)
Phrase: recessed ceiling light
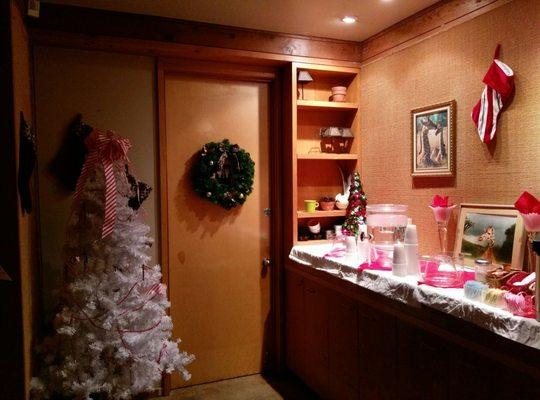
(349,19)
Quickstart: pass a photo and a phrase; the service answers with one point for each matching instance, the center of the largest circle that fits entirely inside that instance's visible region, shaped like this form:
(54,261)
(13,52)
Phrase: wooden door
(219,291)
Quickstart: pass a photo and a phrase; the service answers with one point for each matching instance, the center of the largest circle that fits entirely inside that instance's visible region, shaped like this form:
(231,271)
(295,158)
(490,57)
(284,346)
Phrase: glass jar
(386,226)
(481,268)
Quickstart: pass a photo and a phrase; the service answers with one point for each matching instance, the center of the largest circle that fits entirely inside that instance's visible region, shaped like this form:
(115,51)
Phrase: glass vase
(442,216)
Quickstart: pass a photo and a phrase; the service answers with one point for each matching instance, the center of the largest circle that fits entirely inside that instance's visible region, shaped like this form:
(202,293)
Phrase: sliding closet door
(220,293)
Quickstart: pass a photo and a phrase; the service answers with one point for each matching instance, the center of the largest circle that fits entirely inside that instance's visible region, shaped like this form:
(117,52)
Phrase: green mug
(311,205)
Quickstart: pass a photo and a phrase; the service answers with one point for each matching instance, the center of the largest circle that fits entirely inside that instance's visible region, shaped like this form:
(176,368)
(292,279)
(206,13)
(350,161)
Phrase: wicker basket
(336,140)
(336,144)
(498,277)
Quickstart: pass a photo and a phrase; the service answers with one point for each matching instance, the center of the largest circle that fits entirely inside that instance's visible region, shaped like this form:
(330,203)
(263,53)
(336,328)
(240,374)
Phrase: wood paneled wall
(112,91)
(18,249)
(28,247)
(450,66)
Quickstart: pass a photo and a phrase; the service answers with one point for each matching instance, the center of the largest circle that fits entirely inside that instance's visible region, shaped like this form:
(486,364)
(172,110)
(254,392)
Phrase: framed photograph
(493,232)
(434,140)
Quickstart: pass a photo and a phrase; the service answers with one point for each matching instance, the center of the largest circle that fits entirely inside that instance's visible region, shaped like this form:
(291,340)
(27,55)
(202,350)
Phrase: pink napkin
(529,208)
(375,265)
(527,204)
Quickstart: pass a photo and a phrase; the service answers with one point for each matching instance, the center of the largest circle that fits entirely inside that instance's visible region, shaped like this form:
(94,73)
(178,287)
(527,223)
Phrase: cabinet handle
(367,317)
(348,306)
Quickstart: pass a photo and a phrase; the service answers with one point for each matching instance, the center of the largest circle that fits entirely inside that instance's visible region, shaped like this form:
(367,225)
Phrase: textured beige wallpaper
(112,91)
(450,66)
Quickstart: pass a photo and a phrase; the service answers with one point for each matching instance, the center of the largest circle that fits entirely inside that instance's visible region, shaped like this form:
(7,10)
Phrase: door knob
(266,262)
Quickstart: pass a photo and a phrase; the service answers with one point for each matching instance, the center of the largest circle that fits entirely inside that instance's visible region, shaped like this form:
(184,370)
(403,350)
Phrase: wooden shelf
(327,156)
(321,214)
(322,241)
(325,105)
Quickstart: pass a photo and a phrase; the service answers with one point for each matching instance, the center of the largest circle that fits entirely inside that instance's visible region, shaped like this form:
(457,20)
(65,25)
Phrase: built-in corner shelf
(321,214)
(325,105)
(327,156)
(313,173)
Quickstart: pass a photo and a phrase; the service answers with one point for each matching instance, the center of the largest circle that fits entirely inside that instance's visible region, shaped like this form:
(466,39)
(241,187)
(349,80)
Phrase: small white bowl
(341,206)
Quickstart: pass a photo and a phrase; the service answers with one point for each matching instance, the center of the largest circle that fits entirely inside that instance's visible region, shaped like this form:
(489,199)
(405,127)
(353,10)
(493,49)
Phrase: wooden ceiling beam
(67,26)
(424,24)
(97,25)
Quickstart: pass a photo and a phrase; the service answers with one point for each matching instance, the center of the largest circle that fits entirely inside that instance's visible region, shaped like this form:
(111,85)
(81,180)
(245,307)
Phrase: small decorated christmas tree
(112,336)
(356,210)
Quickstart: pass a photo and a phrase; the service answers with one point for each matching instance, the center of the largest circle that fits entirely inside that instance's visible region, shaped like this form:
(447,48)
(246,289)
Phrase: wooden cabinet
(294,323)
(421,364)
(377,354)
(316,337)
(343,354)
(345,349)
(307,331)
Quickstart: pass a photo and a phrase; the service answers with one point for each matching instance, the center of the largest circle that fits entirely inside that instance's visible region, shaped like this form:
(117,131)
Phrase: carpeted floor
(253,387)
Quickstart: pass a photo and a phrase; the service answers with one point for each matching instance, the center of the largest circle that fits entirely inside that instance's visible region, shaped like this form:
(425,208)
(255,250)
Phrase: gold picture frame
(499,245)
(433,140)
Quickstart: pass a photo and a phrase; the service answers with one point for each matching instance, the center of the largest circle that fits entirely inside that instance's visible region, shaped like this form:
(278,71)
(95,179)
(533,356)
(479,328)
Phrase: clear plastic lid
(387,208)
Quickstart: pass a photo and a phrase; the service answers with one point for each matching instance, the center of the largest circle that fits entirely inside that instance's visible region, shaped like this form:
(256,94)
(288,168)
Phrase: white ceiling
(304,17)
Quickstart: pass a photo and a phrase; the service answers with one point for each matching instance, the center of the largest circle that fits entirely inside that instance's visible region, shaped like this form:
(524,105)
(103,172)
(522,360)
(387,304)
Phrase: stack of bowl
(339,93)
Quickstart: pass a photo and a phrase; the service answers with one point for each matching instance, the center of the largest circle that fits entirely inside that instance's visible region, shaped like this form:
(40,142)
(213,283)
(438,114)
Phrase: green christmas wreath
(223,174)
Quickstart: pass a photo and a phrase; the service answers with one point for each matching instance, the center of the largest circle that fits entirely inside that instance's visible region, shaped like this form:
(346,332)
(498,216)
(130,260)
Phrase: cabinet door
(316,337)
(473,376)
(377,337)
(294,325)
(468,375)
(343,347)
(422,361)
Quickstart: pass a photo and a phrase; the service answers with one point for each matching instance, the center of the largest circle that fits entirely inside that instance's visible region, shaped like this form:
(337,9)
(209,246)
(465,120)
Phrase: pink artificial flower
(440,201)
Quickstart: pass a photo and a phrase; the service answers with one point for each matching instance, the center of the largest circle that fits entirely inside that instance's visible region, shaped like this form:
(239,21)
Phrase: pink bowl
(327,205)
(338,97)
(339,90)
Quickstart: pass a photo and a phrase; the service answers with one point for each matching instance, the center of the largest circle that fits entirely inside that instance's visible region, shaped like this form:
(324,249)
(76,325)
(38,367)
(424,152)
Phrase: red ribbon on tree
(105,148)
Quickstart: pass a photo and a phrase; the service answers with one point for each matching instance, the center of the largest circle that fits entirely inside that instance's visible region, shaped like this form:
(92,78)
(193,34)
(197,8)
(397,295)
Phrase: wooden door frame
(246,73)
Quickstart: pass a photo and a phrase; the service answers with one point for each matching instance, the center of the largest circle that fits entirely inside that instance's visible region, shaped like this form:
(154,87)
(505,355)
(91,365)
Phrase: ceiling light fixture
(349,19)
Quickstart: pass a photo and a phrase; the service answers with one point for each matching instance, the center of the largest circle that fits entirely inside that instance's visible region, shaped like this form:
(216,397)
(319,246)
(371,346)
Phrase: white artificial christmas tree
(112,336)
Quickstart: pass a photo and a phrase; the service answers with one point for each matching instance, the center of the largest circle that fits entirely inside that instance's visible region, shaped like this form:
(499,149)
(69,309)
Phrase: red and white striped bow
(499,82)
(106,148)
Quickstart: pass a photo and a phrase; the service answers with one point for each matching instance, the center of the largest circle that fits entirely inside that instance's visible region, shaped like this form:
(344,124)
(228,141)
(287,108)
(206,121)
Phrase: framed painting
(433,140)
(493,232)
